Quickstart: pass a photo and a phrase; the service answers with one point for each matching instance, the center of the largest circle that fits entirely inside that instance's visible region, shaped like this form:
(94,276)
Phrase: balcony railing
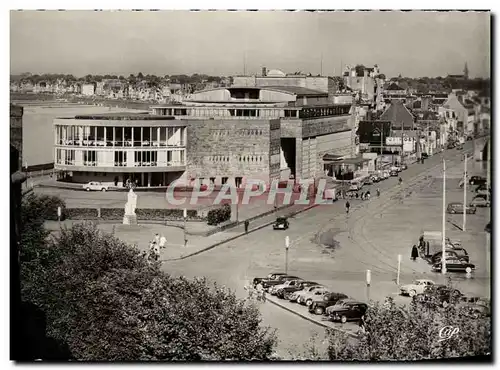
(124,143)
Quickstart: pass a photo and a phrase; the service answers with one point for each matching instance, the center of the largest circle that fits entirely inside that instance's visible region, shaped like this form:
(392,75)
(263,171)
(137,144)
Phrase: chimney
(264,71)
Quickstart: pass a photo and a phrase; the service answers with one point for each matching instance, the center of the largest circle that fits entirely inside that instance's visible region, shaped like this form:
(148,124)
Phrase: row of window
(241,158)
(219,133)
(128,143)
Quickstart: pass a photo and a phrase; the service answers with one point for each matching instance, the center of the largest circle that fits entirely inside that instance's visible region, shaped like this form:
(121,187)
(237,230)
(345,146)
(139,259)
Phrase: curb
(317,322)
(235,237)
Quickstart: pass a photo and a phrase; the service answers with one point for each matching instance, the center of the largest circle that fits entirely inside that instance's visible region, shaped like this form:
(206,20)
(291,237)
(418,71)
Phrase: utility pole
(443,258)
(321,65)
(465,192)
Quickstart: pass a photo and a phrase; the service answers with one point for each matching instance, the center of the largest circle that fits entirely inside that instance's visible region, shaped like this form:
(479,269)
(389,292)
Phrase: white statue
(131,204)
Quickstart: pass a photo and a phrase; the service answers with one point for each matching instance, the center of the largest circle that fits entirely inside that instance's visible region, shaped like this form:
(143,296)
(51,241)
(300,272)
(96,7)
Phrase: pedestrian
(414,253)
(247,223)
(367,195)
(378,192)
(357,195)
(362,196)
(400,181)
(347,206)
(163,241)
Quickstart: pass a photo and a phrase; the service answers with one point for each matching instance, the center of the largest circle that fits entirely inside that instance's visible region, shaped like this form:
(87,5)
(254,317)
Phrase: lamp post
(185,219)
(368,282)
(465,193)
(443,241)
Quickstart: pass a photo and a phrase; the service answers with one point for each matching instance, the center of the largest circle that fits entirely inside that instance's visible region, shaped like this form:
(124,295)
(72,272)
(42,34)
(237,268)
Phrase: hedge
(219,215)
(118,213)
(49,205)
(81,213)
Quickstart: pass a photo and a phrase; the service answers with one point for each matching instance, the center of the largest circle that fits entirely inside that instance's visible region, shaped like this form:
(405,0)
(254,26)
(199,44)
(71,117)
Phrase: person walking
(378,192)
(247,223)
(367,195)
(357,195)
(347,206)
(400,181)
(414,253)
(362,196)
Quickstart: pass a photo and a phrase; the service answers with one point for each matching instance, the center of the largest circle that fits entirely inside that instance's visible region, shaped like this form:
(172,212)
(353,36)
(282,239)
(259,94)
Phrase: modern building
(116,147)
(223,135)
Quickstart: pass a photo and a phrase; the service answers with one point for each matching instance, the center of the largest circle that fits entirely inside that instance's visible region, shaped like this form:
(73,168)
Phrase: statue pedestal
(130,220)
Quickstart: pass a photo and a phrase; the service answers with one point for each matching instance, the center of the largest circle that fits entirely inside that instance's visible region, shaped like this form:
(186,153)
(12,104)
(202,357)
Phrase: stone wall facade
(232,151)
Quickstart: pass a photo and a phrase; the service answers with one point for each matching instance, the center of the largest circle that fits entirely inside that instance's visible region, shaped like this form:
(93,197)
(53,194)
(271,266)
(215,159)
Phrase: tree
(107,302)
(409,333)
(140,76)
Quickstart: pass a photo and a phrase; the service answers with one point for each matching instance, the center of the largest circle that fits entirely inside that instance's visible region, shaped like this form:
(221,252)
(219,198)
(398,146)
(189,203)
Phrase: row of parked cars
(316,297)
(424,290)
(457,257)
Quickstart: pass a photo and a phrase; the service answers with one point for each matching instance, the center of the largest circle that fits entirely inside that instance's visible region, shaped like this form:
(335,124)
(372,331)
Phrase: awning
(331,157)
(339,161)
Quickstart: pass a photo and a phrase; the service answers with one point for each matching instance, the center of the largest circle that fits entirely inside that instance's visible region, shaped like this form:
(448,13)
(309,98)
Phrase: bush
(47,205)
(219,215)
(413,332)
(81,213)
(105,301)
(112,213)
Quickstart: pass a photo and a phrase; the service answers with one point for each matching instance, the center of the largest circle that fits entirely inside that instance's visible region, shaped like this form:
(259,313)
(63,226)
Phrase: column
(142,177)
(114,135)
(142,134)
(132,134)
(149,179)
(95,134)
(105,137)
(56,129)
(158,136)
(298,158)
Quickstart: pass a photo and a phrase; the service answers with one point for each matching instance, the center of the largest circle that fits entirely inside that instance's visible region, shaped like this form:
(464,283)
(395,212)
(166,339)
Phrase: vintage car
(319,306)
(268,284)
(346,310)
(308,298)
(95,186)
(451,253)
(454,265)
(274,289)
(442,294)
(477,180)
(286,292)
(415,288)
(281,223)
(368,180)
(393,173)
(483,190)
(299,294)
(404,166)
(271,276)
(459,208)
(480,201)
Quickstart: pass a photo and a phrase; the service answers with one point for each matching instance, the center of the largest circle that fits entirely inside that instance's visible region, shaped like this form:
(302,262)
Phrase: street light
(443,258)
(185,219)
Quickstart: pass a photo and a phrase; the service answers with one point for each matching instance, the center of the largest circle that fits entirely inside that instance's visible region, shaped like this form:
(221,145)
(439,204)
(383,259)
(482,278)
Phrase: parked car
(404,166)
(356,185)
(415,288)
(455,253)
(271,276)
(368,180)
(393,173)
(267,284)
(346,310)
(460,147)
(454,265)
(376,178)
(281,223)
(386,174)
(441,293)
(309,297)
(477,180)
(287,292)
(480,201)
(319,306)
(287,283)
(459,208)
(483,190)
(96,186)
(487,228)
(297,295)
(450,145)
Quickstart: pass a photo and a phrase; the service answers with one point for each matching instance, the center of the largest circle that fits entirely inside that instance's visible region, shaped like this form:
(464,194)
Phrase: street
(237,262)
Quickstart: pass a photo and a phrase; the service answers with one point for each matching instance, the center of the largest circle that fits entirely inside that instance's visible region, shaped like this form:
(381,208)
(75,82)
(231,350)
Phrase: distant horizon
(221,43)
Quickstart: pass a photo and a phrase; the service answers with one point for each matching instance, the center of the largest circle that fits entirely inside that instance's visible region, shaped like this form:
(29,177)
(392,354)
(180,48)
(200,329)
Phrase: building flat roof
(298,90)
(121,117)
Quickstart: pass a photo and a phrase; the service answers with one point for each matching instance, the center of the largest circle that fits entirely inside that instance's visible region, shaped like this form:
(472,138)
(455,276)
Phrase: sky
(221,43)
